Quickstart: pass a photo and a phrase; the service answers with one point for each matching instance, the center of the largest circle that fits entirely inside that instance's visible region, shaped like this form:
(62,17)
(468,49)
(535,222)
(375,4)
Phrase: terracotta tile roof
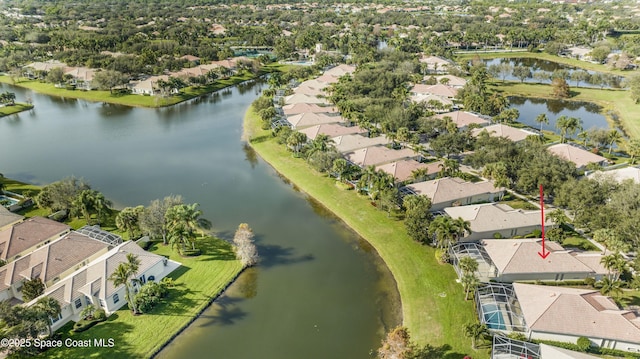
(376,155)
(454,81)
(451,189)
(331,130)
(300,98)
(495,217)
(340,70)
(575,312)
(574,154)
(402,170)
(438,90)
(298,108)
(28,233)
(463,118)
(500,130)
(347,143)
(7,217)
(302,120)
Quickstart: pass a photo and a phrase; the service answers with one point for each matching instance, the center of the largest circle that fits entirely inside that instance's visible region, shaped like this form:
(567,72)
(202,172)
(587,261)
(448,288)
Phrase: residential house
(451,80)
(8,218)
(454,191)
(619,175)
(348,143)
(439,90)
(376,155)
(300,98)
(331,130)
(39,69)
(23,237)
(464,119)
(298,108)
(340,70)
(147,86)
(494,220)
(50,263)
(500,130)
(82,77)
(560,314)
(303,120)
(581,158)
(91,285)
(510,260)
(195,60)
(436,64)
(403,170)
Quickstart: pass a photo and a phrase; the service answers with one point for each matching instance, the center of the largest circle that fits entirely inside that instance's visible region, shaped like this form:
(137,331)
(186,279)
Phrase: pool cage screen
(507,348)
(498,308)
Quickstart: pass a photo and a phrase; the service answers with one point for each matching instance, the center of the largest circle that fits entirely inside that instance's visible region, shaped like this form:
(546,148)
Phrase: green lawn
(618,102)
(17,107)
(199,280)
(128,99)
(433,304)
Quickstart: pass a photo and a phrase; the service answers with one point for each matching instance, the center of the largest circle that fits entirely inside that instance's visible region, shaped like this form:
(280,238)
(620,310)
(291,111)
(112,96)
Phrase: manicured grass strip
(17,107)
(433,305)
(128,99)
(198,281)
(618,102)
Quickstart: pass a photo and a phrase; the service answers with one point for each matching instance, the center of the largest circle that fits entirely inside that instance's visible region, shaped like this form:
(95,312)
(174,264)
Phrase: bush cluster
(149,295)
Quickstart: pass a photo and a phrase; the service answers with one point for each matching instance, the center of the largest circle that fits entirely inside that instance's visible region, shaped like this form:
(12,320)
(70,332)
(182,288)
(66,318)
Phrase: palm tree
(449,168)
(296,140)
(567,126)
(444,230)
(185,224)
(610,287)
(461,227)
(615,265)
(82,204)
(633,149)
(584,136)
(470,282)
(614,138)
(101,205)
(475,331)
(128,218)
(497,171)
(559,217)
(47,308)
(125,274)
(468,265)
(419,174)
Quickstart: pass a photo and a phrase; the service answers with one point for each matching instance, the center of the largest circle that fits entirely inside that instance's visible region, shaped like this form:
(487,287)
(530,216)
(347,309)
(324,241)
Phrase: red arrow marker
(544,253)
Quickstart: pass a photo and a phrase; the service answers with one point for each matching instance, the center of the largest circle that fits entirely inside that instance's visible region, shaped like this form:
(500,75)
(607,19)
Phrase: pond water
(529,108)
(544,66)
(319,292)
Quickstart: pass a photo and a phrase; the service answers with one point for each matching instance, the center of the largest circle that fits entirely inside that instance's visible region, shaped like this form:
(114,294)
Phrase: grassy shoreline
(433,305)
(16,108)
(199,282)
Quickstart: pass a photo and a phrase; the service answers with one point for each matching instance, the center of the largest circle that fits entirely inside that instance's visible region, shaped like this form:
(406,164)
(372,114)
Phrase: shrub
(100,315)
(584,344)
(497,235)
(442,256)
(590,281)
(149,295)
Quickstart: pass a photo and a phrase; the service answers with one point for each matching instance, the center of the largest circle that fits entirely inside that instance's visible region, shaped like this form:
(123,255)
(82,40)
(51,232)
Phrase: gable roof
(93,279)
(574,154)
(454,81)
(500,130)
(296,108)
(438,90)
(340,70)
(7,217)
(449,189)
(312,119)
(346,143)
(331,130)
(551,352)
(495,216)
(49,261)
(464,118)
(301,98)
(403,170)
(429,97)
(520,256)
(576,312)
(620,174)
(28,233)
(375,155)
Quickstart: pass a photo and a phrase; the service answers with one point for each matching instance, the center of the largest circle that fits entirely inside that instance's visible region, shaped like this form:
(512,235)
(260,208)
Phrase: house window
(78,303)
(102,303)
(55,319)
(142,279)
(116,299)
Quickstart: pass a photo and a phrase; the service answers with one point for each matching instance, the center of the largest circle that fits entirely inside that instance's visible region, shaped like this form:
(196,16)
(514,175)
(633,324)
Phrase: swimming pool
(493,317)
(7,201)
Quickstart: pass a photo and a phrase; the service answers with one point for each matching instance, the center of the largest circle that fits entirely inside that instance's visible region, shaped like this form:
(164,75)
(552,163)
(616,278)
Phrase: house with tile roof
(340,70)
(8,218)
(500,130)
(298,108)
(559,314)
(309,119)
(348,143)
(581,158)
(91,285)
(301,98)
(24,237)
(439,90)
(454,191)
(491,220)
(464,119)
(331,130)
(619,174)
(50,263)
(510,260)
(403,170)
(451,80)
(376,155)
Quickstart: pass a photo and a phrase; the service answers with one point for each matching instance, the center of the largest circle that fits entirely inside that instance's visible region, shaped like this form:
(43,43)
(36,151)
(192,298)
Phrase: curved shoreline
(432,318)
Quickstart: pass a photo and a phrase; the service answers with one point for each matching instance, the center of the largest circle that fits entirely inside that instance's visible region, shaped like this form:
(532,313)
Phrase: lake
(320,290)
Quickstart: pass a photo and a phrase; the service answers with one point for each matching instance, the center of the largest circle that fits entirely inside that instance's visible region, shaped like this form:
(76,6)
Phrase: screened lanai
(486,269)
(498,307)
(100,235)
(507,348)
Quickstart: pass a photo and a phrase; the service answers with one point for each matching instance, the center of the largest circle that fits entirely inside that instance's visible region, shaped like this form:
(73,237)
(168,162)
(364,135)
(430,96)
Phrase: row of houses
(74,265)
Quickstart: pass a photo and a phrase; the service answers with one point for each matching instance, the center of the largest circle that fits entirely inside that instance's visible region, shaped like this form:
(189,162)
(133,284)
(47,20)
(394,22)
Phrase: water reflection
(248,283)
(250,155)
(530,108)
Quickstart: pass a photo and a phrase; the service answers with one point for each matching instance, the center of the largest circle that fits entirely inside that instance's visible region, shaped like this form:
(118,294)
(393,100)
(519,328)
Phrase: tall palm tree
(614,138)
(468,265)
(185,222)
(633,149)
(568,126)
(128,219)
(444,230)
(610,287)
(101,205)
(615,265)
(470,282)
(296,140)
(475,331)
(47,308)
(125,274)
(584,136)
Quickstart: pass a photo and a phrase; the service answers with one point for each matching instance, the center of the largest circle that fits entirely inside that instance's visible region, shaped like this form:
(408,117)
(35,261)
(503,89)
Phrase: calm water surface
(320,291)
